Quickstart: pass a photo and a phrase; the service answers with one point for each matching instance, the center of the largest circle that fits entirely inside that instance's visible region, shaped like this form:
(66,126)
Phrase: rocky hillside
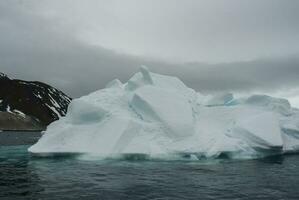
(28,105)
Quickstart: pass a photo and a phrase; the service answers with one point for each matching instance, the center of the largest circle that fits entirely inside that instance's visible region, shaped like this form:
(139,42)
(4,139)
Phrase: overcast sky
(242,46)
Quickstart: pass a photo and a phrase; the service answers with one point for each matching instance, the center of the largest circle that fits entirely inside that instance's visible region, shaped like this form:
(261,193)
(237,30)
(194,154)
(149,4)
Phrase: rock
(34,101)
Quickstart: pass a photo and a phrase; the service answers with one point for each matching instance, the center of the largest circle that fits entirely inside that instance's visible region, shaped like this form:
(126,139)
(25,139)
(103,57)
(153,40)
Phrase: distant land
(29,105)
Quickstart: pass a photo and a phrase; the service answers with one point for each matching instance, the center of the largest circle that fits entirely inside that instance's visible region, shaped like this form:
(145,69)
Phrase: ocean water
(18,137)
(23,176)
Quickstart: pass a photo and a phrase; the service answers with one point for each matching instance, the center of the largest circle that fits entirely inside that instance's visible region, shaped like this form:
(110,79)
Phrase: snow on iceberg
(158,115)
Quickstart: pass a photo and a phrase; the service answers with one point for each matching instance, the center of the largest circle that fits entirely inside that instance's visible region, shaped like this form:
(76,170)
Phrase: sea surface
(24,176)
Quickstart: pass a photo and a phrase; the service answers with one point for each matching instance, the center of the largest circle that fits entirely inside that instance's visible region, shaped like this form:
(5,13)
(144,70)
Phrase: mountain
(26,105)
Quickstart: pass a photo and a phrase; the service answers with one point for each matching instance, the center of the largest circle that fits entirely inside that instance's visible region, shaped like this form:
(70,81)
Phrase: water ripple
(26,177)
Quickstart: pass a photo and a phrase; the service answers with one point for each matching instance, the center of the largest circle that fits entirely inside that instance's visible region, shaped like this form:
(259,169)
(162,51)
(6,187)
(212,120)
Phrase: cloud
(189,30)
(79,50)
(263,74)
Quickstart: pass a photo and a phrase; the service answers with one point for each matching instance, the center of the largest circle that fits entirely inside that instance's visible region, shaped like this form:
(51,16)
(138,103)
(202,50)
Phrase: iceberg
(159,116)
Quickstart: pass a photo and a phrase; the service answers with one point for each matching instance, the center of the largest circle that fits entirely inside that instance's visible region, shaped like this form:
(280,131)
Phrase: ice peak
(146,74)
(116,83)
(142,78)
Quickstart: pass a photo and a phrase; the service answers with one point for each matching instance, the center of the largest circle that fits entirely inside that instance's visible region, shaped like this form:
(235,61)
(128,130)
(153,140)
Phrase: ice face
(159,115)
(166,107)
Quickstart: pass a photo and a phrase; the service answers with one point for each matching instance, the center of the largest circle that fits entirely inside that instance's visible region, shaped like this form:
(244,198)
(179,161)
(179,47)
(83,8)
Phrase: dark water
(23,176)
(18,137)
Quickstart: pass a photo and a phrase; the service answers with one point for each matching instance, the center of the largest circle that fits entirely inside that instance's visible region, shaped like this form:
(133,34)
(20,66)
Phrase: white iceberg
(158,116)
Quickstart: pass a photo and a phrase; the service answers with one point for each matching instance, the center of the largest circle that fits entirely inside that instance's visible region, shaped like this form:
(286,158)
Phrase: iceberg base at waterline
(159,116)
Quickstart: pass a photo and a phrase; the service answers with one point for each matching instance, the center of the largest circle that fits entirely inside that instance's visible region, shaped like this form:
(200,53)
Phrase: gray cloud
(41,41)
(184,30)
(262,74)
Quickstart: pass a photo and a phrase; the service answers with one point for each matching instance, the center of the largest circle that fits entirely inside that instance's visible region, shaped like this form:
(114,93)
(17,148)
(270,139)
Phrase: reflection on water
(25,177)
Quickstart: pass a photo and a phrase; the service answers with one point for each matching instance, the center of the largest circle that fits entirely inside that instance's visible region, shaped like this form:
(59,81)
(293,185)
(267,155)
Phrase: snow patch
(8,109)
(54,110)
(19,113)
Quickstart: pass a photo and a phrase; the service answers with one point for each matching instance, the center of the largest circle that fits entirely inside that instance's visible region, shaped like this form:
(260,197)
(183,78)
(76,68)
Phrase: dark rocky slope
(28,105)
